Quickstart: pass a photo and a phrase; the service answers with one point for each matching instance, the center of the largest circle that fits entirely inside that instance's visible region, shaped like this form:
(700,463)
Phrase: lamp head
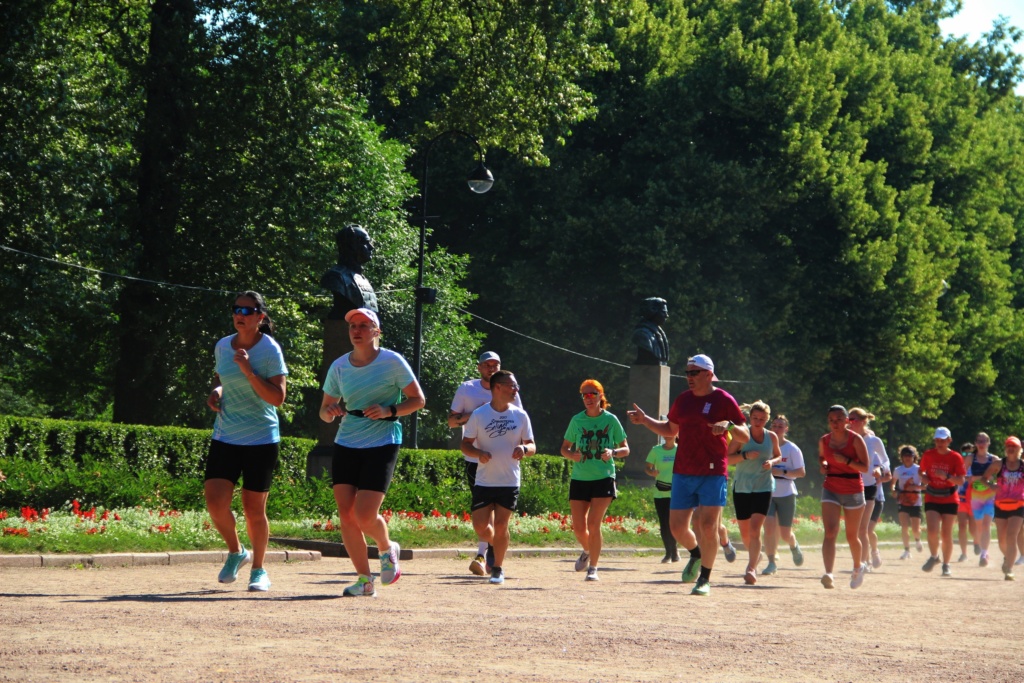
(481,179)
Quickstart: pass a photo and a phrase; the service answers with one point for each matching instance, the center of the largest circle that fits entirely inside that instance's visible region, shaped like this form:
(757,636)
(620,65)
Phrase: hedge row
(48,463)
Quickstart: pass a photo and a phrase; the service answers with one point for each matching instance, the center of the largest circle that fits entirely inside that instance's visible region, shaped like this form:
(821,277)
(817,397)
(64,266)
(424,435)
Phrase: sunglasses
(508,384)
(589,393)
(245,310)
(693,373)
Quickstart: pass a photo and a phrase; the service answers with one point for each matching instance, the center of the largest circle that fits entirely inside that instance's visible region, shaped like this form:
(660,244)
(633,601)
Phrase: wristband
(394,414)
(729,428)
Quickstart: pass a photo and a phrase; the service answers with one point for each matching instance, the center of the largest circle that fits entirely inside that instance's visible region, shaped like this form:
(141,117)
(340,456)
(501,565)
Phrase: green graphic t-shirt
(591,435)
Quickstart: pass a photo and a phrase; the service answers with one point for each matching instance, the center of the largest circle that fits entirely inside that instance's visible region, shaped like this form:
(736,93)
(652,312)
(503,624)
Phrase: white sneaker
(827,581)
(905,555)
(876,559)
(920,548)
(592,574)
(858,576)
(583,561)
(390,571)
(362,588)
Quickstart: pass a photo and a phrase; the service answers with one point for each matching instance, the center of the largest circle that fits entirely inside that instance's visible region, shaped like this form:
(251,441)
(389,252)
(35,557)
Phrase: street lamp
(479,181)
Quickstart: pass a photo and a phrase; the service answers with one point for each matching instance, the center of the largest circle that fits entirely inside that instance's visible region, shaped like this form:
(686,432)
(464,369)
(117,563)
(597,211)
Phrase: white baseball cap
(943,433)
(366,313)
(704,363)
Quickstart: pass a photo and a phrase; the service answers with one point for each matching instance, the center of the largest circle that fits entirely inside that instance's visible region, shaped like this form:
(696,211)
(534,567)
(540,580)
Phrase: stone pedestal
(649,389)
(336,344)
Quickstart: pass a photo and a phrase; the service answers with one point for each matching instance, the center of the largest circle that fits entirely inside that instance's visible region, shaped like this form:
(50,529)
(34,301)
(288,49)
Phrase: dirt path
(439,623)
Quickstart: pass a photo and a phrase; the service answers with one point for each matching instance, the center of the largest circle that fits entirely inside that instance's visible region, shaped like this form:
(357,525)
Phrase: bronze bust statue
(346,280)
(650,340)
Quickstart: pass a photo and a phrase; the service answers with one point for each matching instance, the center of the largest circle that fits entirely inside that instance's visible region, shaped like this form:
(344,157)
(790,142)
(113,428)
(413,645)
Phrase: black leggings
(667,539)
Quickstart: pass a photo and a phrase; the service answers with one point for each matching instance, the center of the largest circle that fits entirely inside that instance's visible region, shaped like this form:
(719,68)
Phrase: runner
(248,387)
(964,521)
(860,421)
(907,486)
(981,494)
(943,471)
(843,457)
(468,397)
(701,416)
(753,482)
(1008,476)
(593,439)
(369,388)
(659,465)
(783,508)
(498,435)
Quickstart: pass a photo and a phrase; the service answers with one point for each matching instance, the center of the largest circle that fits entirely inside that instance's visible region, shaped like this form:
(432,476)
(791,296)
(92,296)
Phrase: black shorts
(876,512)
(749,504)
(1007,514)
(941,508)
(589,490)
(471,466)
(505,496)
(254,464)
(870,492)
(368,469)
(912,510)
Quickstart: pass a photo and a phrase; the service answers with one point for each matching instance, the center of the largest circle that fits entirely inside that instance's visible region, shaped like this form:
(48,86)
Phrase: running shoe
(946,571)
(675,556)
(583,561)
(858,576)
(905,555)
(876,559)
(691,570)
(592,574)
(667,558)
(702,587)
(1008,576)
(477,565)
(389,569)
(983,561)
(362,588)
(930,564)
(920,548)
(497,575)
(798,555)
(259,581)
(770,569)
(827,581)
(962,558)
(750,578)
(977,549)
(235,561)
(489,562)
(730,552)
(1020,560)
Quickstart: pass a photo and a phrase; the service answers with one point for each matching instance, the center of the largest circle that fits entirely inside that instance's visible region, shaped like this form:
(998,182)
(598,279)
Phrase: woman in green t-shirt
(659,465)
(592,439)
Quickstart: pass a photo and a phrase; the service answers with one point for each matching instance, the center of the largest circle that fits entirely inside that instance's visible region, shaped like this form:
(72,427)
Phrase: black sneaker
(497,575)
(489,558)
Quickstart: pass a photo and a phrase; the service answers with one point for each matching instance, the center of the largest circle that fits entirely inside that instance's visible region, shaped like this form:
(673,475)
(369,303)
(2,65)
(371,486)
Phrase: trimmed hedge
(49,463)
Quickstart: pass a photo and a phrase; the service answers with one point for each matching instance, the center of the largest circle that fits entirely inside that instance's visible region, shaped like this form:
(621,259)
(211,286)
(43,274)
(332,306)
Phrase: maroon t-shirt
(701,453)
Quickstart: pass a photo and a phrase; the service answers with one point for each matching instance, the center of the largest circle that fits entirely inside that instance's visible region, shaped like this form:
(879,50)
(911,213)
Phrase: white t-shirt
(498,434)
(792,459)
(471,395)
(912,475)
(876,456)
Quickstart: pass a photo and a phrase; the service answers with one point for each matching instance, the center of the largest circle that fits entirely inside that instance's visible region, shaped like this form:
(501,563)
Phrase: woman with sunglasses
(369,388)
(843,457)
(593,439)
(248,387)
(860,421)
(1008,477)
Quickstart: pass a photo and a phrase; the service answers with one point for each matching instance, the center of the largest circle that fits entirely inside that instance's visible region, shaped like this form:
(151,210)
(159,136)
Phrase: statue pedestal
(648,388)
(336,344)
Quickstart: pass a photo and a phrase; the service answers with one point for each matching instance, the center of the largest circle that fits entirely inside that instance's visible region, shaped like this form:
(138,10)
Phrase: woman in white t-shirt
(779,522)
(907,485)
(878,473)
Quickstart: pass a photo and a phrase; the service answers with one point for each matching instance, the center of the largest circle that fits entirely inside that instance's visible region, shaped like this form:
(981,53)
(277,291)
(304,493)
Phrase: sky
(977,16)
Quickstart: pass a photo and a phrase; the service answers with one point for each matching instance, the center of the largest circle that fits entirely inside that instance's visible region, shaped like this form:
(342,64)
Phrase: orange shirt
(950,464)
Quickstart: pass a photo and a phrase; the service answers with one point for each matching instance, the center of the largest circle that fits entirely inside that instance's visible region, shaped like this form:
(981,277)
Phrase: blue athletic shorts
(690,491)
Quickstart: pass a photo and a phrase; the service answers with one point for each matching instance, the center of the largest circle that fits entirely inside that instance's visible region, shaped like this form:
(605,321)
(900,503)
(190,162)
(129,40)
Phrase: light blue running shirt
(245,419)
(380,382)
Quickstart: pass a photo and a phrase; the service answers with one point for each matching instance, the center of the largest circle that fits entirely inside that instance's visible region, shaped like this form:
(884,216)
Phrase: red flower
(15,531)
(3,514)
(117,517)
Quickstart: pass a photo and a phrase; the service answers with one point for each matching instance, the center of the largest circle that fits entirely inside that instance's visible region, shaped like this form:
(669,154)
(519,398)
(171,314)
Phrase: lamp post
(479,181)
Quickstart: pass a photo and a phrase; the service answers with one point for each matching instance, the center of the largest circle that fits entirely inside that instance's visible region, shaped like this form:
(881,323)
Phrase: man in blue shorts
(702,416)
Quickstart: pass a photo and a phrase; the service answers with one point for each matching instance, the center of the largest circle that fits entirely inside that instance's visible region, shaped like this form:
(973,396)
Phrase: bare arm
(663,428)
(414,400)
(471,451)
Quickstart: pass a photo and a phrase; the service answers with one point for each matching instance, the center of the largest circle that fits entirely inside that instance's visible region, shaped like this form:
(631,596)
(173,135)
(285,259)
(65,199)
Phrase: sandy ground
(439,623)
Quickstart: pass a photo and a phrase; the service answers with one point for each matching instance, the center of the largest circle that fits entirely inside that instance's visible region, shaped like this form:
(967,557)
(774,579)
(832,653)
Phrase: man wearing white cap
(468,397)
(943,471)
(701,417)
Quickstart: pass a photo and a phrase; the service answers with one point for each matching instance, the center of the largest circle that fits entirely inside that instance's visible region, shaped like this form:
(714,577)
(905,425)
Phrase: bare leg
(218,494)
(710,520)
(830,515)
(254,504)
(934,522)
(947,537)
(679,520)
(862,534)
(579,510)
(756,523)
(853,517)
(771,536)
(501,536)
(598,506)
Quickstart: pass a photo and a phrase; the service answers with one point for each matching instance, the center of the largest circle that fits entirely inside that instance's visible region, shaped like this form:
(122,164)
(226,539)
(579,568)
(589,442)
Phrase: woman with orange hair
(594,437)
